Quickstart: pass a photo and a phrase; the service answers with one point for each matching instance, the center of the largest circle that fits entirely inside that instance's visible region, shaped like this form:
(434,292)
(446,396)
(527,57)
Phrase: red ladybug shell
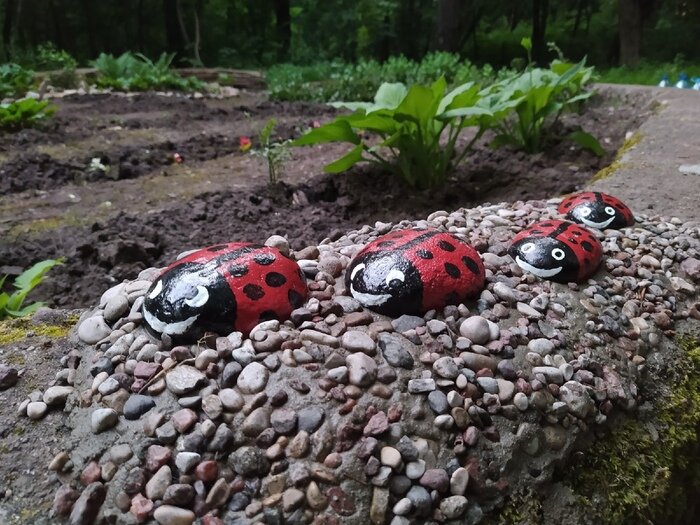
(246,284)
(593,209)
(437,269)
(582,250)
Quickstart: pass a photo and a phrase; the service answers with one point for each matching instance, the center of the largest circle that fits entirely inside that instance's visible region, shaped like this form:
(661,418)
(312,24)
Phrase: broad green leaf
(390,94)
(354,106)
(465,112)
(26,310)
(461,96)
(4,298)
(377,122)
(418,105)
(337,131)
(587,141)
(33,276)
(346,161)
(526,42)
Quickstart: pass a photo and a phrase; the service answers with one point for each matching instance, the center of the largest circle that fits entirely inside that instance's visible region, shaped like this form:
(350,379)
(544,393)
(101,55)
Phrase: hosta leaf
(346,161)
(587,141)
(336,131)
(28,279)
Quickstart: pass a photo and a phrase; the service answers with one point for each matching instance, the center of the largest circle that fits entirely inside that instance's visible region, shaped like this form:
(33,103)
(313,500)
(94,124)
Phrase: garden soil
(143,208)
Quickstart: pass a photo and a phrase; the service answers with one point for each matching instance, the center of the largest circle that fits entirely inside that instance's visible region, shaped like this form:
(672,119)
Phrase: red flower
(244,143)
(177,158)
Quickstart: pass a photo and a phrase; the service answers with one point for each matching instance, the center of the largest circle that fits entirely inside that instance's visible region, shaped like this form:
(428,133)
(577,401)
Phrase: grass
(648,73)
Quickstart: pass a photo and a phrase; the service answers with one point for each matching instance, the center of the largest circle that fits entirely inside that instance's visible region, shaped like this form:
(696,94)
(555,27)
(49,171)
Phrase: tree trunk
(173,35)
(283,23)
(197,35)
(629,24)
(540,11)
(90,26)
(56,19)
(8,27)
(139,26)
(447,31)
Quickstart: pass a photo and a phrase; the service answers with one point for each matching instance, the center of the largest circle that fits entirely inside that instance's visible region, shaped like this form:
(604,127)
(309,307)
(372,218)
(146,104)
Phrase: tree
(540,11)
(629,23)
(173,35)
(447,31)
(283,22)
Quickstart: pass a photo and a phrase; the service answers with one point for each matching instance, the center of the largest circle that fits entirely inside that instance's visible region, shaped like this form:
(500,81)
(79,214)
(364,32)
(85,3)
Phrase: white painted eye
(357,269)
(558,254)
(527,247)
(395,275)
(200,299)
(585,212)
(156,290)
(610,210)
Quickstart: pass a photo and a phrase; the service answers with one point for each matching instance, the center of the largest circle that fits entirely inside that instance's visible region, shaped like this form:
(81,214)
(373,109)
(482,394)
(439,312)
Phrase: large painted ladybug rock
(413,271)
(224,288)
(596,210)
(557,250)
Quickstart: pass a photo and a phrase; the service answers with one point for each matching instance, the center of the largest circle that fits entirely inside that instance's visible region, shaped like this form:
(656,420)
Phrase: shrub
(136,72)
(411,123)
(24,112)
(61,64)
(15,80)
(11,305)
(537,98)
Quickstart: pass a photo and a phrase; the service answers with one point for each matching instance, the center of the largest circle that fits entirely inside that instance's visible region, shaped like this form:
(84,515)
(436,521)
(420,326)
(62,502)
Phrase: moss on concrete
(647,471)
(14,330)
(617,163)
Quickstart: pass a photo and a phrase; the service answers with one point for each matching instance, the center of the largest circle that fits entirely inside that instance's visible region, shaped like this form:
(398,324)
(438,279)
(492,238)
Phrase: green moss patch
(617,164)
(13,330)
(647,471)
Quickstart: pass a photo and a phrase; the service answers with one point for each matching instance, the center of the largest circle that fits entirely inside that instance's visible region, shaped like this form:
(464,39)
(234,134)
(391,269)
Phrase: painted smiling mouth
(369,299)
(597,224)
(539,272)
(168,328)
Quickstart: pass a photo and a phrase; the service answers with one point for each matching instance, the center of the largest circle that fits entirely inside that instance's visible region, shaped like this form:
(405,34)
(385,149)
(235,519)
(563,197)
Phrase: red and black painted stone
(224,288)
(596,210)
(413,271)
(557,250)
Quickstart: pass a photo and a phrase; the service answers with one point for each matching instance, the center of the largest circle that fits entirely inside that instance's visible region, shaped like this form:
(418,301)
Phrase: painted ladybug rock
(224,288)
(413,271)
(596,210)
(557,250)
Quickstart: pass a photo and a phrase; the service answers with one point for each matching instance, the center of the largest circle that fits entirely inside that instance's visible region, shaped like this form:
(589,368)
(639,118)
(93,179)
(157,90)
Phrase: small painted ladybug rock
(224,288)
(557,250)
(596,210)
(413,271)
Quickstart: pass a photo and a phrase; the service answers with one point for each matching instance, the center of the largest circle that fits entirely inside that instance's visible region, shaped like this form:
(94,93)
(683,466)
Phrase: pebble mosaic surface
(342,415)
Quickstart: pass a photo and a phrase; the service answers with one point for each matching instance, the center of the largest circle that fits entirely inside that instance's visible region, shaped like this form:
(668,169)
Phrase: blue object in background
(696,83)
(683,82)
(665,82)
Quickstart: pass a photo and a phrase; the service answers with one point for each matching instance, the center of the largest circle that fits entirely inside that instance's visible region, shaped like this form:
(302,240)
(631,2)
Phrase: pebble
(395,351)
(453,507)
(36,409)
(476,329)
(421,386)
(362,369)
(137,405)
(103,419)
(93,329)
(57,395)
(184,379)
(87,506)
(390,457)
(446,367)
(156,486)
(356,341)
(253,378)
(437,401)
(541,346)
(171,515)
(8,376)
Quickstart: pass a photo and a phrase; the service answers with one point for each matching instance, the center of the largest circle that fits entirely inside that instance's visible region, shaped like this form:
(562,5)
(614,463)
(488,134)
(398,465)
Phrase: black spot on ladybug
(238,270)
(471,265)
(547,224)
(383,244)
(275,279)
(268,315)
(572,240)
(452,270)
(424,254)
(253,291)
(218,247)
(577,233)
(567,204)
(587,246)
(295,298)
(447,246)
(264,258)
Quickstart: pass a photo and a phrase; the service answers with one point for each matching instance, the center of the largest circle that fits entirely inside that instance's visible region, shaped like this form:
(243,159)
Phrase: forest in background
(259,33)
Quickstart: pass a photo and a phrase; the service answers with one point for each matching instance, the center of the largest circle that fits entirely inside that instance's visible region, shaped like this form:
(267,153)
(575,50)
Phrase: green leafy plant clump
(12,305)
(24,112)
(15,80)
(275,153)
(136,72)
(410,123)
(60,63)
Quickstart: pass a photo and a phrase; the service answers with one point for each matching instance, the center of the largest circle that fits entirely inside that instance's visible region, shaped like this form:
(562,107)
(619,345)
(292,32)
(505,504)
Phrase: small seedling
(275,153)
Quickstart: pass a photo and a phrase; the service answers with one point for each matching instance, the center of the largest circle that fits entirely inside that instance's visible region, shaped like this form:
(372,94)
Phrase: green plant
(60,64)
(24,112)
(15,80)
(11,305)
(538,97)
(275,153)
(136,72)
(418,126)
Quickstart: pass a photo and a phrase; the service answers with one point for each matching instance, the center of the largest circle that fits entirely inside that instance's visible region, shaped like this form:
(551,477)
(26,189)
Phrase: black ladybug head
(546,257)
(188,299)
(597,214)
(385,282)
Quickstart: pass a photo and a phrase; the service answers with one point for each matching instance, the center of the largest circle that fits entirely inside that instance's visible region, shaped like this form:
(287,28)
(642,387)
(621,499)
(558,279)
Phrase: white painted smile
(369,299)
(169,328)
(597,225)
(539,272)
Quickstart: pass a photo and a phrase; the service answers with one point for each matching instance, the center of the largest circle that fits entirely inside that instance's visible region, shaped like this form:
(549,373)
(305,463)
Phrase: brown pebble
(91,473)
